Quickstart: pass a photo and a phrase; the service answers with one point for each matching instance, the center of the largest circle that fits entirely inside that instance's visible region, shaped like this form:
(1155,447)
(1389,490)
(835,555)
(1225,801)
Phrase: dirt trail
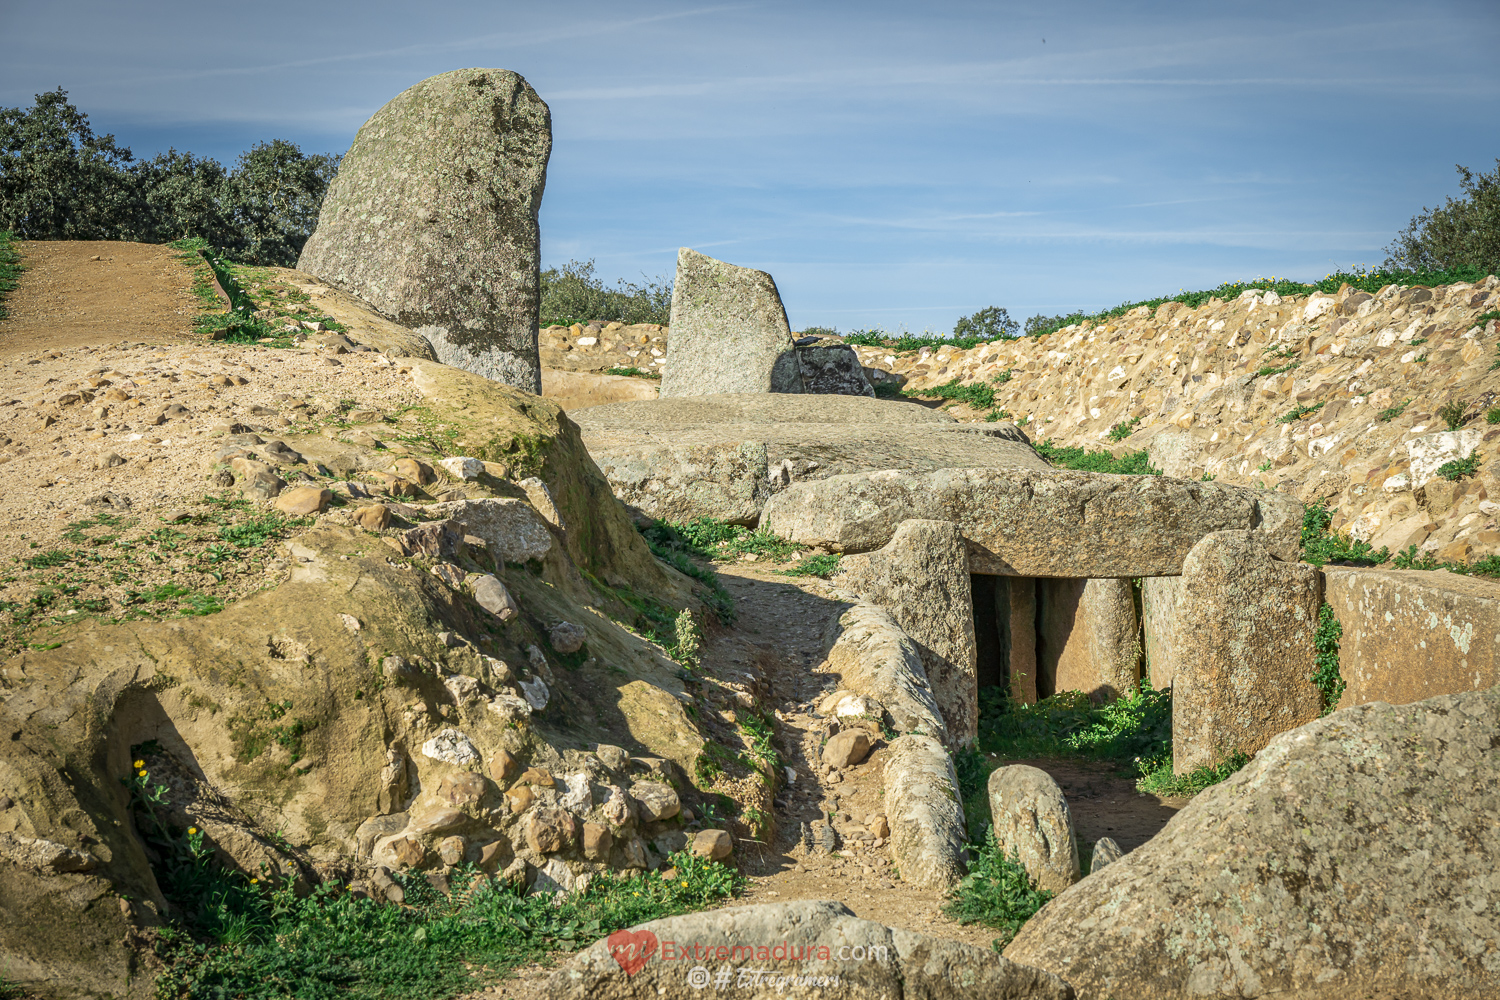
(78,293)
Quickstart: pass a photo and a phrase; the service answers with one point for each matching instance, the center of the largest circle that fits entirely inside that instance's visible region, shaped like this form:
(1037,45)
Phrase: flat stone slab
(1021,521)
(644,447)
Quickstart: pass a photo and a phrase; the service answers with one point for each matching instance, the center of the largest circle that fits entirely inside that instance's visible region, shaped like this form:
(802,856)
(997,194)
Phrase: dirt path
(79,294)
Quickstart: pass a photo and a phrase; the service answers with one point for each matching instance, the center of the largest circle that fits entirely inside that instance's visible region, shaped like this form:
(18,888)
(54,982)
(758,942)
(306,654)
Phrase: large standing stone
(1033,822)
(1158,608)
(1089,640)
(433,219)
(1021,606)
(1024,522)
(920,792)
(921,578)
(1354,857)
(874,658)
(1244,649)
(729,332)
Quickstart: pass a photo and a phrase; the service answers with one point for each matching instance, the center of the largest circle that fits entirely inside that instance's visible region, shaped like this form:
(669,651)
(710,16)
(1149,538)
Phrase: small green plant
(1320,545)
(686,651)
(976,394)
(1135,463)
(1123,429)
(996,415)
(1265,370)
(1390,413)
(1459,468)
(1298,412)
(1413,558)
(1451,413)
(1492,415)
(997,892)
(822,566)
(1326,677)
(1264,466)
(633,372)
(1000,378)
(1207,477)
(1161,781)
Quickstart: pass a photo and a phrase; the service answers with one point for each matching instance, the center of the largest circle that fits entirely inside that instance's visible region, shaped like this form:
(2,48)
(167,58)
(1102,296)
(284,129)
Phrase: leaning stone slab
(921,578)
(1244,650)
(874,658)
(1395,620)
(729,331)
(801,949)
(1032,821)
(1354,857)
(924,811)
(433,219)
(1025,522)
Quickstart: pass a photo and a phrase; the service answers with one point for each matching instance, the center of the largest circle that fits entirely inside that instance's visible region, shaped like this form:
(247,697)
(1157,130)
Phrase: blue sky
(890,163)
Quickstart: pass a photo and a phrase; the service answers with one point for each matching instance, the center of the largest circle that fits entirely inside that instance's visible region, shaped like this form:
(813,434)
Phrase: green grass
(1320,545)
(1390,413)
(1492,415)
(675,545)
(634,372)
(996,893)
(10,271)
(1265,370)
(710,538)
(1135,463)
(1131,729)
(1123,429)
(1413,558)
(1451,413)
(1161,780)
(976,394)
(821,566)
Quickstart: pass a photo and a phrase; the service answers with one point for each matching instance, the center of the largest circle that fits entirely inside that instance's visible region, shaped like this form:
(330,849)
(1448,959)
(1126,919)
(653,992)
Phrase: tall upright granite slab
(729,332)
(433,219)
(1087,634)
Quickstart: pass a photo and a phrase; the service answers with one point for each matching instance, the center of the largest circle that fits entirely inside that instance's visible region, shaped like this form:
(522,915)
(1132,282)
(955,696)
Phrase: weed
(689,641)
(1000,378)
(1321,546)
(1161,781)
(1326,677)
(1411,558)
(1264,466)
(1266,370)
(1451,413)
(1459,468)
(997,415)
(1135,729)
(1207,477)
(976,395)
(1123,429)
(1135,463)
(633,372)
(1390,413)
(822,566)
(1298,412)
(1492,415)
(48,560)
(259,529)
(997,892)
(672,547)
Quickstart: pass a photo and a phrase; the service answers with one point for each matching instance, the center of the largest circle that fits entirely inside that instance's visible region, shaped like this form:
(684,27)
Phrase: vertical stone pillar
(1022,612)
(1159,608)
(1089,637)
(1244,626)
(921,579)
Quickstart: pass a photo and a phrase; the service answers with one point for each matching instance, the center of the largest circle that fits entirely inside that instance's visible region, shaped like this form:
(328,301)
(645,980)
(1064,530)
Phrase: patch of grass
(976,394)
(1492,415)
(1298,412)
(634,372)
(1161,781)
(821,566)
(1134,730)
(673,547)
(1326,677)
(1390,413)
(1451,413)
(1123,429)
(48,559)
(259,529)
(1265,370)
(710,538)
(10,270)
(1320,545)
(1135,463)
(997,415)
(997,892)
(1264,466)
(1459,468)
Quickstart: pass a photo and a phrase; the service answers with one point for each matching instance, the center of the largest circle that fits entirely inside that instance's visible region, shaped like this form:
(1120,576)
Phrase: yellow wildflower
(143,774)
(140,763)
(192,831)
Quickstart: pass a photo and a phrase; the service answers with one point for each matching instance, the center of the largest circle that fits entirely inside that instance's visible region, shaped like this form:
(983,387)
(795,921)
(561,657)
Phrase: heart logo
(631,949)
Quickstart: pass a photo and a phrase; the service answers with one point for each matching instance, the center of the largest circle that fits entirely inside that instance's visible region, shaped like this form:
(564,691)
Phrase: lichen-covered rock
(1089,637)
(1352,857)
(921,578)
(804,949)
(876,659)
(1032,821)
(1106,851)
(433,219)
(924,812)
(833,369)
(729,331)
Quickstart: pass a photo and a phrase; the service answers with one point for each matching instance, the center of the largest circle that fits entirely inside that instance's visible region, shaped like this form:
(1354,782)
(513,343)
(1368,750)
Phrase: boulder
(920,790)
(303,500)
(722,456)
(597,840)
(716,845)
(729,331)
(846,748)
(1352,857)
(833,369)
(1089,637)
(1025,522)
(1106,851)
(878,661)
(1244,655)
(512,529)
(375,517)
(921,578)
(432,219)
(1032,821)
(549,829)
(566,637)
(491,594)
(655,800)
(805,948)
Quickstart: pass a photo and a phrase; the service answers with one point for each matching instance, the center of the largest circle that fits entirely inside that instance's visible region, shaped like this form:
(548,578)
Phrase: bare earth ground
(114,321)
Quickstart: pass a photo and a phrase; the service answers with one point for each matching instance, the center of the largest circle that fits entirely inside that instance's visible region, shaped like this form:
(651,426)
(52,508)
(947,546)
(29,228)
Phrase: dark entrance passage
(991,595)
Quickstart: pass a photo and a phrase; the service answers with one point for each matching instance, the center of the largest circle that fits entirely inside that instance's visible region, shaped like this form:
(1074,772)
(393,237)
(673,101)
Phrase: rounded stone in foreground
(1033,822)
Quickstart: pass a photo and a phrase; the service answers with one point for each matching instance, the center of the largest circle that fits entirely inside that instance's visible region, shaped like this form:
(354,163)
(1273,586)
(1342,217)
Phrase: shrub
(1040,324)
(1135,463)
(1298,412)
(990,323)
(572,294)
(1321,546)
(10,268)
(1451,413)
(997,892)
(1459,468)
(1123,429)
(821,566)
(1492,415)
(1326,677)
(1462,233)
